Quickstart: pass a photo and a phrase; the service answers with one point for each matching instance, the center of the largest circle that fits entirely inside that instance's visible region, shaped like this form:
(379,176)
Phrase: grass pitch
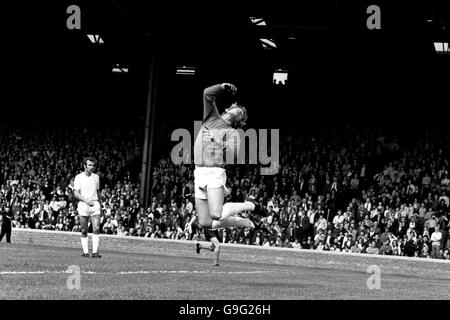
(41,272)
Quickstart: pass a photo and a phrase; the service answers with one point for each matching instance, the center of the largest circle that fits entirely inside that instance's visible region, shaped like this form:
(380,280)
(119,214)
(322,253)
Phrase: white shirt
(114,223)
(436,237)
(88,185)
(296,245)
(189,207)
(54,205)
(338,219)
(321,224)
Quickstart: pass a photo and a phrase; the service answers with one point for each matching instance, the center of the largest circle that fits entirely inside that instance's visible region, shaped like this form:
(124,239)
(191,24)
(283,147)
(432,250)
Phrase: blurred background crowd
(338,188)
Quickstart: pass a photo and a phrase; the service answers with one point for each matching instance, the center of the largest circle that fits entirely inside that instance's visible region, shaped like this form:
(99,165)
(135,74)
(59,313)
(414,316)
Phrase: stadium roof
(219,38)
(199,27)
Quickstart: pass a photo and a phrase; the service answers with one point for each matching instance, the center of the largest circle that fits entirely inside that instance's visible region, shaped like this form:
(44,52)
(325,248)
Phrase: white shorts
(208,177)
(86,211)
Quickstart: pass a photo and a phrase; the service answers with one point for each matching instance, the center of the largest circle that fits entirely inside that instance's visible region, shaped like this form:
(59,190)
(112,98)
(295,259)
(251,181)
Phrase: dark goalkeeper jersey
(217,142)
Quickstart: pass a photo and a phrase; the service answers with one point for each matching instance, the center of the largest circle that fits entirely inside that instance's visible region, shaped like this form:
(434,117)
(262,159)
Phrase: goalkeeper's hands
(229,86)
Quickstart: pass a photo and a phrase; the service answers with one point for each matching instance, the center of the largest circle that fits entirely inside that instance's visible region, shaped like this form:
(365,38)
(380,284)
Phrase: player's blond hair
(244,117)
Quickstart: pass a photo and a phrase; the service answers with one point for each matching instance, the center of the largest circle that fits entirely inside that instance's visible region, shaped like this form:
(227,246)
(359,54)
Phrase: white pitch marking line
(131,272)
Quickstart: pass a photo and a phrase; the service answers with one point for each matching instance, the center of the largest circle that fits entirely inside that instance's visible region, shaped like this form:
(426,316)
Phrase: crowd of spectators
(38,166)
(341,189)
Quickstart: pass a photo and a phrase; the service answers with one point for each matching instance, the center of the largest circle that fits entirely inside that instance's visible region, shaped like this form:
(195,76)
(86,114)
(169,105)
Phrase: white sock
(232,208)
(232,222)
(95,242)
(84,244)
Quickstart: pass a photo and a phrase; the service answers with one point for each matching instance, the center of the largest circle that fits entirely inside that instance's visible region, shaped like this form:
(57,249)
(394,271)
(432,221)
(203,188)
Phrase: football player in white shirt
(87,191)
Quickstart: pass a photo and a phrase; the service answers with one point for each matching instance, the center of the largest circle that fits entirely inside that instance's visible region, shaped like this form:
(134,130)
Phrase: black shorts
(209,234)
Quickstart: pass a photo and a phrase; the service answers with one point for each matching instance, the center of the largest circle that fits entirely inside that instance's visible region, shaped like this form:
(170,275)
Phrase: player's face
(238,116)
(89,166)
(236,113)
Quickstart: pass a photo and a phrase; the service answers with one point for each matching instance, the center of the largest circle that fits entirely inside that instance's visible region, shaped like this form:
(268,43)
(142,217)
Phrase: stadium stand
(341,189)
